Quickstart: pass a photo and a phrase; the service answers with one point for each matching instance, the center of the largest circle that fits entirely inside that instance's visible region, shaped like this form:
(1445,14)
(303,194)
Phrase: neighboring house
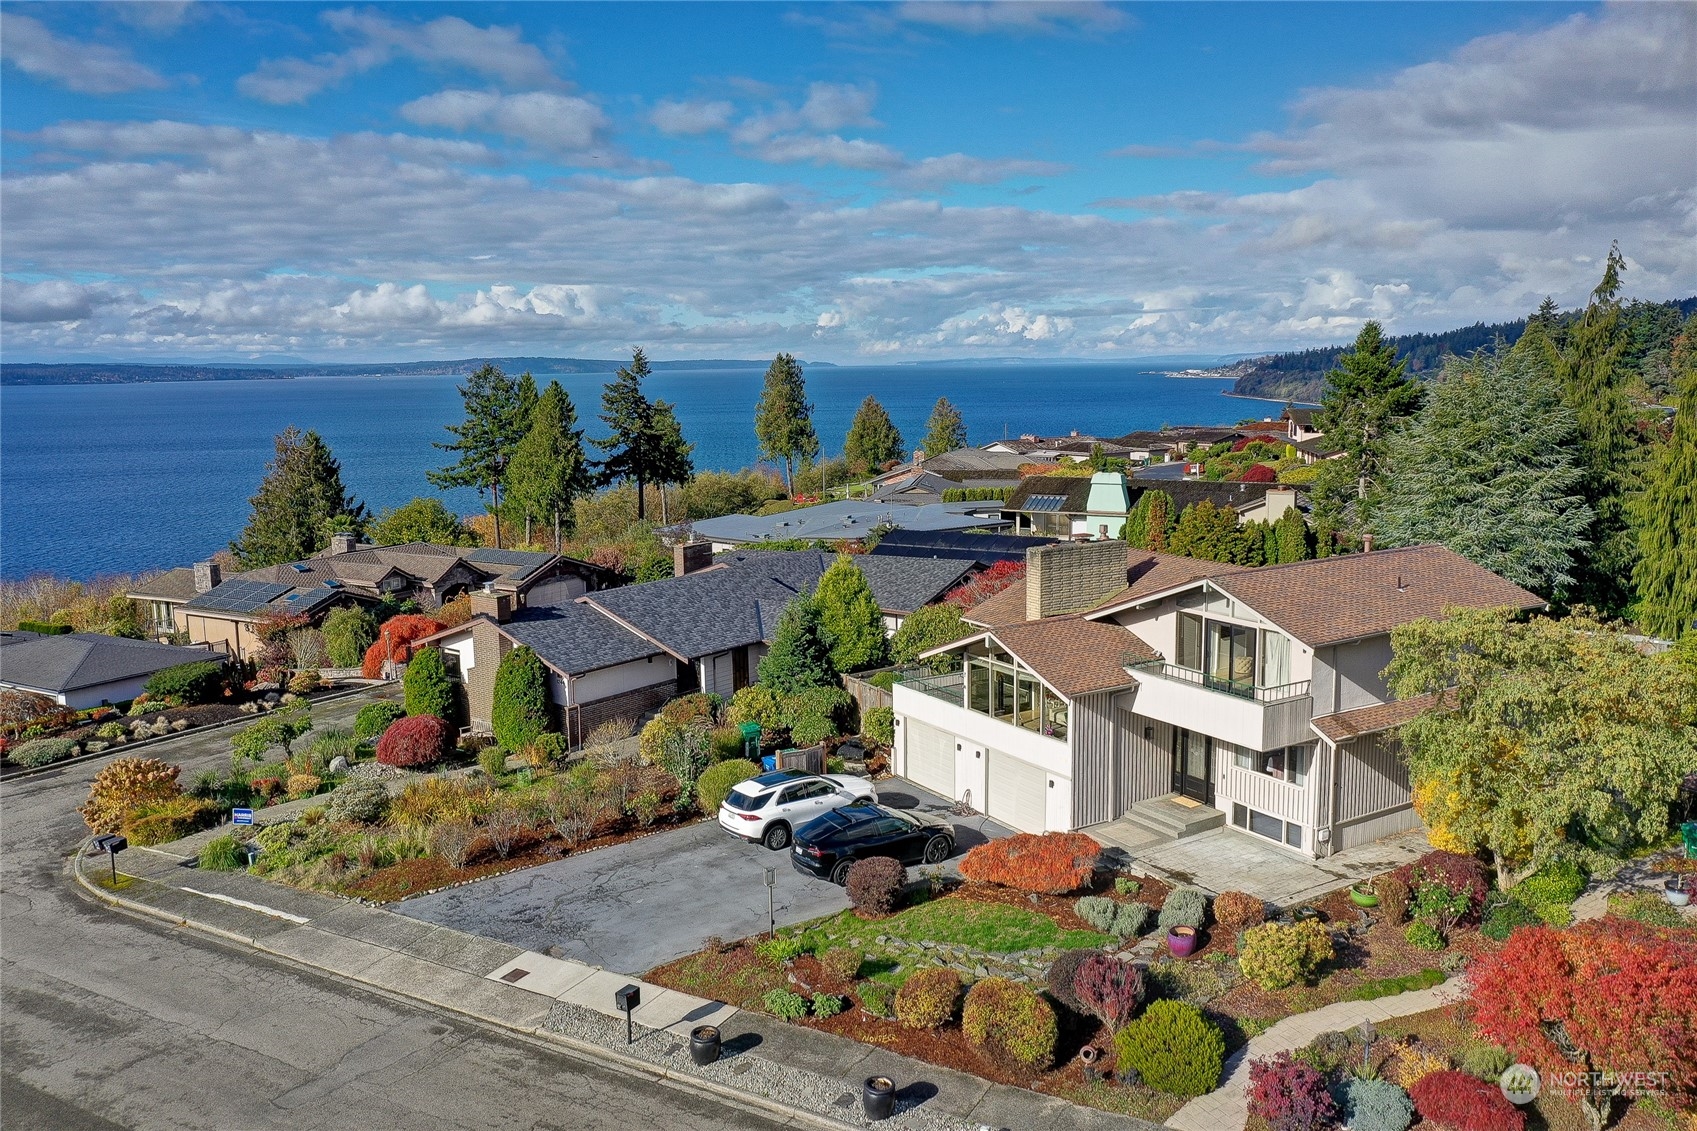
(981,549)
(625,652)
(1299,424)
(1047,449)
(1065,506)
(209,608)
(927,476)
(847,519)
(87,669)
(1108,678)
(1253,502)
(1316,448)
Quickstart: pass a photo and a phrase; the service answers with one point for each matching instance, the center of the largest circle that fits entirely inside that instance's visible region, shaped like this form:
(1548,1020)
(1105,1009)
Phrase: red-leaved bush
(1109,990)
(1619,995)
(1451,871)
(1460,1102)
(1260,473)
(416,741)
(1050,863)
(986,585)
(1290,1095)
(395,639)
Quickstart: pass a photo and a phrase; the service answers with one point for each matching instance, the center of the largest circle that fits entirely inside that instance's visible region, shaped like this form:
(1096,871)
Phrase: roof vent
(1400,586)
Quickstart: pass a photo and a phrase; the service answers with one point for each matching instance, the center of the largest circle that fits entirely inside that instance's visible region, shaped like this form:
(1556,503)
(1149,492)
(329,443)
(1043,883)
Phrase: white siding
(929,757)
(717,675)
(1015,793)
(620,678)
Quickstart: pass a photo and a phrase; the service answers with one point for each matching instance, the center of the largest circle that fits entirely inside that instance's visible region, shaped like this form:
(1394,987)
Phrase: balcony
(949,687)
(1256,718)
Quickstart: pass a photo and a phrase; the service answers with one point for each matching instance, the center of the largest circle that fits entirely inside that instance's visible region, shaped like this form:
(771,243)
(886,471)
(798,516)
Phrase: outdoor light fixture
(771,910)
(1368,1035)
(627,998)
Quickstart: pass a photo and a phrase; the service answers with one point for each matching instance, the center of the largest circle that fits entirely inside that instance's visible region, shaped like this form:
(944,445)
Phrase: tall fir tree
(496,419)
(783,420)
(1149,524)
(1365,396)
(1489,467)
(799,658)
(849,617)
(550,471)
(1588,370)
(873,439)
(301,501)
(520,713)
(647,444)
(1665,514)
(945,431)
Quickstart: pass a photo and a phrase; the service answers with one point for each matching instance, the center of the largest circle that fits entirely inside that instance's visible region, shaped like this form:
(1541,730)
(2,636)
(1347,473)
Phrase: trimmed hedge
(374,718)
(1173,1048)
(426,686)
(717,781)
(198,682)
(927,999)
(1274,955)
(171,819)
(1010,1023)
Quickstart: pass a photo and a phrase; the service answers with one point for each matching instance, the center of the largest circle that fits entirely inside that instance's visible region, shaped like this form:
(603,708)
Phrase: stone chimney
(207,575)
(1366,543)
(688,557)
(1070,577)
(343,542)
(489,603)
(918,456)
(1279,500)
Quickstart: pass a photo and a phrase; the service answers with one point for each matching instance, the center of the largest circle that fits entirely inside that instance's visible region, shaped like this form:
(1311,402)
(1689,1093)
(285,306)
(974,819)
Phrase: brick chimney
(343,542)
(489,603)
(207,575)
(688,557)
(1070,577)
(918,456)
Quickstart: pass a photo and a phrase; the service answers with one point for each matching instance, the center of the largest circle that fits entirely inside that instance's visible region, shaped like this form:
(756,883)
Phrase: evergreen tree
(301,501)
(427,688)
(849,617)
(1489,468)
(783,420)
(647,444)
(1207,532)
(873,439)
(1593,383)
(1149,525)
(800,658)
(496,419)
(348,632)
(926,628)
(945,431)
(421,520)
(1295,541)
(1666,513)
(1365,396)
(520,713)
(550,471)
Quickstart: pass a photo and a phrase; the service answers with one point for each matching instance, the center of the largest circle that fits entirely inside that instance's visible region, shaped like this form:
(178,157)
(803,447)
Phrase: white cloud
(855,153)
(91,68)
(1043,17)
(687,118)
(51,301)
(156,16)
(498,53)
(959,168)
(562,123)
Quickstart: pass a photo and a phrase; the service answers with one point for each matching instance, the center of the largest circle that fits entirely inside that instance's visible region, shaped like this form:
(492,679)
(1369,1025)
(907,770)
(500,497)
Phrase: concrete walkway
(1228,1106)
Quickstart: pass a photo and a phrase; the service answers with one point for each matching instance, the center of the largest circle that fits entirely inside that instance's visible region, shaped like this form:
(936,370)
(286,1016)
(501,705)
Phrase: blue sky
(851,182)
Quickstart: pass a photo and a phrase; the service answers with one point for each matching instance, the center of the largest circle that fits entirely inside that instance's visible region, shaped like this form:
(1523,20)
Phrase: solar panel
(1045,502)
(240,596)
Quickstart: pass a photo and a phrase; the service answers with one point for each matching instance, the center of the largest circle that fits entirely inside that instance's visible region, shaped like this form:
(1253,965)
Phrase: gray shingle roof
(847,519)
(172,585)
(576,638)
(88,659)
(1066,494)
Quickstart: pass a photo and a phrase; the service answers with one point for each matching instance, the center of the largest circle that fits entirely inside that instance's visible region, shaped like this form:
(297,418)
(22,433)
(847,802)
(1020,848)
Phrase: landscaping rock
(271,698)
(338,765)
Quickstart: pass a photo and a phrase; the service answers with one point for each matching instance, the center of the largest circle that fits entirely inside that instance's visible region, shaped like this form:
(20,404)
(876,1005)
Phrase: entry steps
(1172,819)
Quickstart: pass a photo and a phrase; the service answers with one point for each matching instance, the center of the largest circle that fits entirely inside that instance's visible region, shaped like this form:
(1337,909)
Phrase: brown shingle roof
(1346,725)
(1073,655)
(1351,596)
(172,585)
(1149,573)
(1006,607)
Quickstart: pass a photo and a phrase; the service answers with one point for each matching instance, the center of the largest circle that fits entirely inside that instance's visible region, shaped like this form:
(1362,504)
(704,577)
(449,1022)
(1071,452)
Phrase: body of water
(121,478)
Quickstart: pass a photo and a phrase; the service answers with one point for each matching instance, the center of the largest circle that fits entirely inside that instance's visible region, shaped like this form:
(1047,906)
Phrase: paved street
(107,1021)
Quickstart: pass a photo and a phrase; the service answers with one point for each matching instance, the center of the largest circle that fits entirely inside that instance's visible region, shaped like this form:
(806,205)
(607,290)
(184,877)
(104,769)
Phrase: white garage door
(1017,793)
(930,758)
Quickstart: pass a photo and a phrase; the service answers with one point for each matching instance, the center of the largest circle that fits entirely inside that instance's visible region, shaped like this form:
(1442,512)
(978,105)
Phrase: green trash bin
(1689,831)
(751,741)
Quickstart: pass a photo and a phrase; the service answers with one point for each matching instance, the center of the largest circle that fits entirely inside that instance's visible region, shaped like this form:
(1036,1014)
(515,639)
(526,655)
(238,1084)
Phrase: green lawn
(992,928)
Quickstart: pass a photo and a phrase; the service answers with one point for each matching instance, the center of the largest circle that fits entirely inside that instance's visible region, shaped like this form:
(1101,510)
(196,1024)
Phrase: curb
(115,751)
(628,1065)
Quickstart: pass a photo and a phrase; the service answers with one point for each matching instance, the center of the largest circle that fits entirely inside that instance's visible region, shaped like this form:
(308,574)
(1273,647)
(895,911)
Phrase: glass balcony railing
(1242,689)
(949,687)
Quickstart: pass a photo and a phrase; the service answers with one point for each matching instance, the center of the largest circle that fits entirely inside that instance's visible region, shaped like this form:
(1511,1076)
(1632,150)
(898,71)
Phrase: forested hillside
(1649,328)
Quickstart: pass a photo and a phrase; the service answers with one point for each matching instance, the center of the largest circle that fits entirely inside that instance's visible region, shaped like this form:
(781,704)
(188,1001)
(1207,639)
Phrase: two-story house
(1111,677)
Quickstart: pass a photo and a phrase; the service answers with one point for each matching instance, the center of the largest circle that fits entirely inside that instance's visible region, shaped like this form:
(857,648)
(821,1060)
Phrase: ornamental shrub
(1484,1060)
(877,998)
(817,713)
(927,999)
(418,740)
(1132,920)
(725,742)
(1010,1023)
(757,704)
(361,802)
(42,752)
(428,689)
(1063,972)
(698,706)
(717,781)
(520,712)
(1375,1105)
(1290,1095)
(1393,899)
(1461,1102)
(784,1004)
(124,786)
(1425,936)
(842,963)
(1050,863)
(1174,1048)
(348,632)
(875,885)
(198,682)
(279,729)
(223,854)
(827,1005)
(1110,990)
(878,725)
(304,683)
(1503,915)
(374,718)
(172,818)
(1099,911)
(1457,875)
(492,760)
(1275,955)
(1237,911)
(304,785)
(656,734)
(1184,907)
(1550,891)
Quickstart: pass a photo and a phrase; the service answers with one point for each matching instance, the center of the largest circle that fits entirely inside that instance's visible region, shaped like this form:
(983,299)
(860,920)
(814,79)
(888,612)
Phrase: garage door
(1017,793)
(930,758)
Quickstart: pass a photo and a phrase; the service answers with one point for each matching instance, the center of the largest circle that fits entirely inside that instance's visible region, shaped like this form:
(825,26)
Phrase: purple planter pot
(1182,941)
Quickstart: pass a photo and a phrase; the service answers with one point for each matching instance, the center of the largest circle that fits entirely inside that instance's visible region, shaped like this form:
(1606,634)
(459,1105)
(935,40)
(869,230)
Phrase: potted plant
(1363,896)
(1090,1057)
(704,1045)
(1181,941)
(878,1097)
(1679,890)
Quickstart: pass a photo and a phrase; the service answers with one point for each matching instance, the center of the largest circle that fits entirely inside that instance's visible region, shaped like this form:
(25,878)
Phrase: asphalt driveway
(631,907)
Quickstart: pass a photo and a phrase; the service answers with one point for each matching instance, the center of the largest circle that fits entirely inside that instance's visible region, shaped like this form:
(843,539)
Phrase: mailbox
(627,997)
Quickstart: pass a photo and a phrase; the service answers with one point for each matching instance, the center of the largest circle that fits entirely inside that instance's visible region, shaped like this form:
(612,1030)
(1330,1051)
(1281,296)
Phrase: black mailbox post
(627,998)
(111,844)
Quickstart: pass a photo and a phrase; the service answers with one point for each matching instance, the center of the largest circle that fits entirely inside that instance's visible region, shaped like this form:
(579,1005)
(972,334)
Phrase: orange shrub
(395,639)
(1052,863)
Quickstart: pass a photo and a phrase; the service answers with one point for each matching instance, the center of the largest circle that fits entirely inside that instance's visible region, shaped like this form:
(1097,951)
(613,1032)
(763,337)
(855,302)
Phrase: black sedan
(827,845)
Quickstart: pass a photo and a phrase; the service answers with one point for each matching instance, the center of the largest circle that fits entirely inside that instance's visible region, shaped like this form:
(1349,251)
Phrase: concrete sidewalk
(803,1076)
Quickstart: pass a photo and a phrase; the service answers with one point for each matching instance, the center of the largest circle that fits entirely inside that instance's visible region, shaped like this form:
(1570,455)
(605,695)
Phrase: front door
(1193,765)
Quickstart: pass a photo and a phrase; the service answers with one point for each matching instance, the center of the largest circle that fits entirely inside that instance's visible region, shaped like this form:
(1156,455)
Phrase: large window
(998,687)
(1267,825)
(1286,763)
(1231,657)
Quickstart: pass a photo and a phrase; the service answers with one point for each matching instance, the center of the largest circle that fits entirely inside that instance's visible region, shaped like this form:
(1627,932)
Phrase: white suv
(767,809)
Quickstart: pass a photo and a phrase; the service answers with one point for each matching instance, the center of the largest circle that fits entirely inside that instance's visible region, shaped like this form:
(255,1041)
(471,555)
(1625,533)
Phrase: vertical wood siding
(1091,719)
(1144,766)
(1372,778)
(1258,791)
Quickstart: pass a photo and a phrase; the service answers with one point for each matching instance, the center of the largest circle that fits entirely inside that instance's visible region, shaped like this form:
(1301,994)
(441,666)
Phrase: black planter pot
(878,1097)
(704,1045)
